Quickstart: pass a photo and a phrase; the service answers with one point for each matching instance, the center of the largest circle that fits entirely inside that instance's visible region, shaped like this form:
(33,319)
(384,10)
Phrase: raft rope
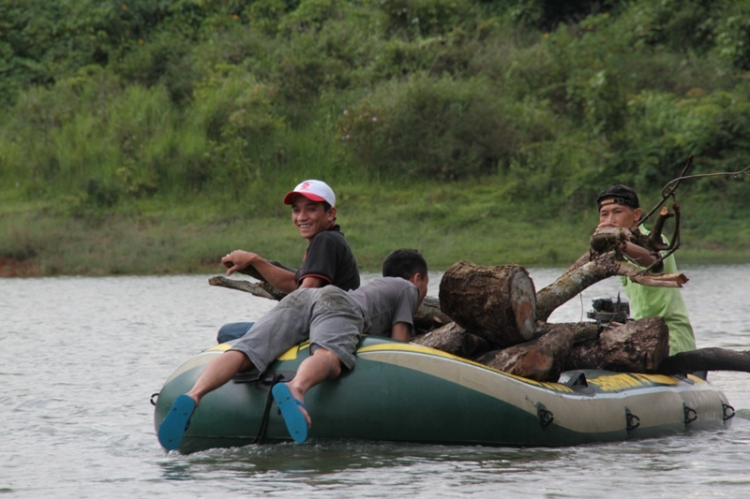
(631,420)
(277,377)
(728,411)
(545,415)
(690,414)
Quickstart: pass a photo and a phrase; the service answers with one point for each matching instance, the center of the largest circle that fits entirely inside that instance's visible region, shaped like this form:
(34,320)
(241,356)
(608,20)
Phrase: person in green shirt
(619,207)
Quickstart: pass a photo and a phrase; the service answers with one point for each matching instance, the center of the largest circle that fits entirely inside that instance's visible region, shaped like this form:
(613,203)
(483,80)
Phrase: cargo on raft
(408,393)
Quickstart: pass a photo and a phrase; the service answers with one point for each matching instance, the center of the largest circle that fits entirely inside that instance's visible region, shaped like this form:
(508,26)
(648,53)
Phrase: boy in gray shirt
(332,319)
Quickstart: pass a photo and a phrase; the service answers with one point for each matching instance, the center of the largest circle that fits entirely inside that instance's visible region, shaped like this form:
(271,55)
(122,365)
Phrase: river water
(80,357)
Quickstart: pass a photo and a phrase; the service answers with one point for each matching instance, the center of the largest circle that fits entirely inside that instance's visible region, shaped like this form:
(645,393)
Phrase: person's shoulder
(397,281)
(379,283)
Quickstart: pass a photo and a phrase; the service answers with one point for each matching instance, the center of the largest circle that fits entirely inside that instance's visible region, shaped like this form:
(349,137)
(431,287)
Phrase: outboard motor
(609,310)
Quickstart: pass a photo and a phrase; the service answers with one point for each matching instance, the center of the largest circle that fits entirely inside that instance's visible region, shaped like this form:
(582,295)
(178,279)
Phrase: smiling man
(328,259)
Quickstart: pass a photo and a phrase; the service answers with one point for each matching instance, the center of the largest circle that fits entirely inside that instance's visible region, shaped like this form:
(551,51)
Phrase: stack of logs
(494,321)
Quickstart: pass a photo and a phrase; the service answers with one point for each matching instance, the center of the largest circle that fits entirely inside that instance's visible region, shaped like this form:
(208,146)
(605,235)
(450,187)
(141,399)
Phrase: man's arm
(401,331)
(638,254)
(312,282)
(276,276)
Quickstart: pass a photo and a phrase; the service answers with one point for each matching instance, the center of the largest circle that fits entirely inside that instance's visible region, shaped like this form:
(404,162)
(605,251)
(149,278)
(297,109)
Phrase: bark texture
(582,331)
(637,346)
(541,359)
(495,303)
(429,315)
(453,339)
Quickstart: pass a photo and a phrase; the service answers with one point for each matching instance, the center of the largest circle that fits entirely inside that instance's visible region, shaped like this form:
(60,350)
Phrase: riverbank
(447,222)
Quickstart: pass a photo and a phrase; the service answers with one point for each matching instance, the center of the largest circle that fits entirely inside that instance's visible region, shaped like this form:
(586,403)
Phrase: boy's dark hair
(404,263)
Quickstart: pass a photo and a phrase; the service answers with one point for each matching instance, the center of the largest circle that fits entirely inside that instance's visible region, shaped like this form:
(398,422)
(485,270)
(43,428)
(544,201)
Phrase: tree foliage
(105,102)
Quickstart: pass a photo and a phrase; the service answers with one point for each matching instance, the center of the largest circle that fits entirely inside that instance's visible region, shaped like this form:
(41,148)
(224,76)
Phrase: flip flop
(177,421)
(289,407)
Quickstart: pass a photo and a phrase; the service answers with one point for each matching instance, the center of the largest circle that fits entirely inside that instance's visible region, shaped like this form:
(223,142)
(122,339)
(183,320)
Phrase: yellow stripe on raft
(609,383)
(290,354)
(221,347)
(408,347)
(624,381)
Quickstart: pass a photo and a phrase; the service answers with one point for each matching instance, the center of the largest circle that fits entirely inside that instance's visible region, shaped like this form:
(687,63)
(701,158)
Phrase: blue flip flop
(293,417)
(177,421)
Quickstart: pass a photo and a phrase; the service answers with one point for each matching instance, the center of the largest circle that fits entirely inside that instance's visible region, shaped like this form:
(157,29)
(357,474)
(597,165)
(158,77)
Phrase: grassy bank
(447,222)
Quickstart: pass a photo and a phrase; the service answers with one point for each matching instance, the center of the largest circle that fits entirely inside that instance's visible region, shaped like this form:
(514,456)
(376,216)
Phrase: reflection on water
(80,357)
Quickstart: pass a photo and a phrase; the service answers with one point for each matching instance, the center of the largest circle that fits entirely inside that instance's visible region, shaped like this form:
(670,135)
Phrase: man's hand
(238,260)
(279,277)
(604,225)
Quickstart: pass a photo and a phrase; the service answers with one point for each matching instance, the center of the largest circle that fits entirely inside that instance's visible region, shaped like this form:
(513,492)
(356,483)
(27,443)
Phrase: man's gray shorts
(328,316)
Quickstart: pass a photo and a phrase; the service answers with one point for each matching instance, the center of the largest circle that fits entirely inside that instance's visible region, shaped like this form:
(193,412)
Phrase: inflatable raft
(408,393)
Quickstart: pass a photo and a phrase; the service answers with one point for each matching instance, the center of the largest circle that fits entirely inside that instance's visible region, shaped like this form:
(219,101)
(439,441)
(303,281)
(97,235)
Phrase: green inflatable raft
(408,393)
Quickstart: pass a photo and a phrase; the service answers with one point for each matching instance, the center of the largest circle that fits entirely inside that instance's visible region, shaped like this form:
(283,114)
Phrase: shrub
(733,34)
(445,128)
(427,17)
(663,130)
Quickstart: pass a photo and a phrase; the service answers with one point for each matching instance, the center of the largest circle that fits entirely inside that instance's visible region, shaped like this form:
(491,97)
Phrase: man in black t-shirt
(328,259)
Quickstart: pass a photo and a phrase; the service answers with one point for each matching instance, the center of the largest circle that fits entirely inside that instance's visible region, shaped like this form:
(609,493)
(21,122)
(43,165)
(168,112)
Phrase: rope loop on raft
(277,377)
(690,414)
(545,415)
(728,411)
(632,420)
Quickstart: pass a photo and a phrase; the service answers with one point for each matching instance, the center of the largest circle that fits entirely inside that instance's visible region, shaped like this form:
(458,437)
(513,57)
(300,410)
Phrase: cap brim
(312,197)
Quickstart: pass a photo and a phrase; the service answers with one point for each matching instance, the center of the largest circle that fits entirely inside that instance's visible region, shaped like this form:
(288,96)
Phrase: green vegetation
(151,136)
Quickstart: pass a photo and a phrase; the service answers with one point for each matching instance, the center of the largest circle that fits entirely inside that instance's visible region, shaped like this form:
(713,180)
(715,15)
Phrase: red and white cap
(314,190)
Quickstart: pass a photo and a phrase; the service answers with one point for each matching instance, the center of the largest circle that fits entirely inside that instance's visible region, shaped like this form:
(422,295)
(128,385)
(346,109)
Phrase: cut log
(582,331)
(541,359)
(706,359)
(495,303)
(429,315)
(453,339)
(637,346)
(579,277)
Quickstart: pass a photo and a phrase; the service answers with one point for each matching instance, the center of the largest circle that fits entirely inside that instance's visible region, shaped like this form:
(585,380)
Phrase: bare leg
(218,372)
(321,365)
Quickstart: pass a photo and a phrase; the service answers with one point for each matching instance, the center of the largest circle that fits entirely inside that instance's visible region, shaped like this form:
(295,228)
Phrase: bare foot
(297,394)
